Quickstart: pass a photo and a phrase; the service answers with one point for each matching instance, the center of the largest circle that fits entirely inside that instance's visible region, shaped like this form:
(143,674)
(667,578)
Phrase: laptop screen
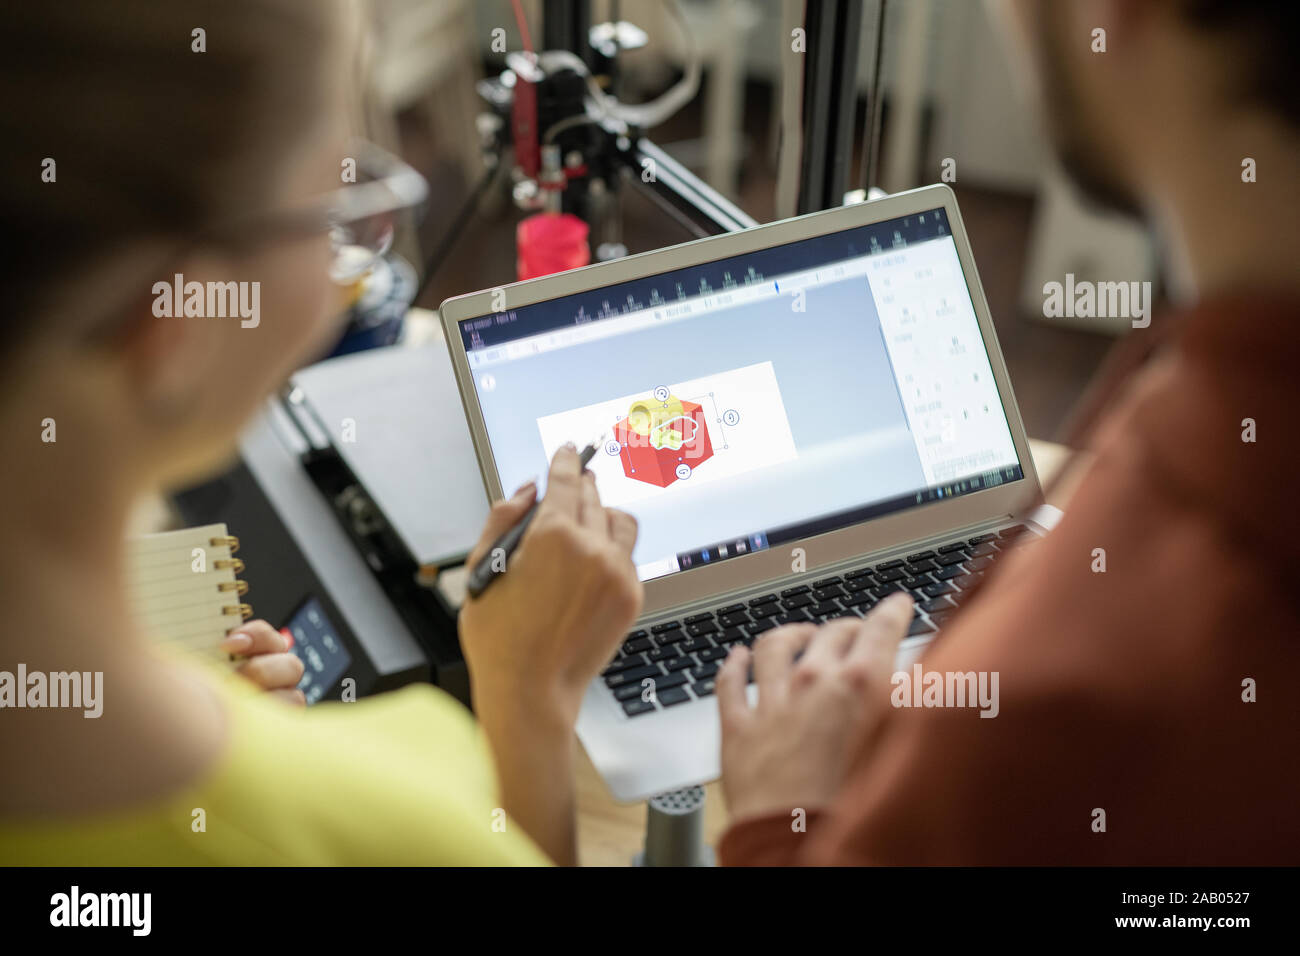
(755,400)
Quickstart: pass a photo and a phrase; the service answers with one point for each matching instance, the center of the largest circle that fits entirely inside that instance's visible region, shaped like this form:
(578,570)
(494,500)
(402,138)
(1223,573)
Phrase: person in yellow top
(147,144)
(403,777)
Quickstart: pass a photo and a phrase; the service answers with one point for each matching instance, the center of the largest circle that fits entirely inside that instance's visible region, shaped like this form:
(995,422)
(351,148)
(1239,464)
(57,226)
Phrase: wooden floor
(612,833)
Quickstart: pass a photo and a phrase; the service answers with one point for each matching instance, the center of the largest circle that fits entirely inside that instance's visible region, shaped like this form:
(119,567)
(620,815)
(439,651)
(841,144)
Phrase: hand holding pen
(486,569)
(536,639)
(566,598)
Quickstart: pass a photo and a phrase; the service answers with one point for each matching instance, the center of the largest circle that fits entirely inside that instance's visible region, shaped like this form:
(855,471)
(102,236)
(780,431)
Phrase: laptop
(803,416)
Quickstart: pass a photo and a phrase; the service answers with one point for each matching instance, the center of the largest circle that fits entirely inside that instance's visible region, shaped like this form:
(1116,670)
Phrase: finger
(733,676)
(881,632)
(774,656)
(622,529)
(590,513)
(272,671)
(563,485)
(294,698)
(505,514)
(255,637)
(833,640)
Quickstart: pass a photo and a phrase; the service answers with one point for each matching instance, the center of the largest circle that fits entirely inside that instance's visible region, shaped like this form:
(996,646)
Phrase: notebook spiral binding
(239,588)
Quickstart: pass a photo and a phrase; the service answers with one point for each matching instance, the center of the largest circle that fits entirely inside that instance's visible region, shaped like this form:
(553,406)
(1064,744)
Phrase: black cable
(462,218)
(871,134)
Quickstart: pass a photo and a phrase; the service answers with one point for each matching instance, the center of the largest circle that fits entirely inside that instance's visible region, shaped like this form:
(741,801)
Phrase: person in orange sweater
(1146,701)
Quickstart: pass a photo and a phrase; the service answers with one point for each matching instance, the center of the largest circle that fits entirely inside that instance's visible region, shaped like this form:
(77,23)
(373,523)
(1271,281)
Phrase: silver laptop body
(787,408)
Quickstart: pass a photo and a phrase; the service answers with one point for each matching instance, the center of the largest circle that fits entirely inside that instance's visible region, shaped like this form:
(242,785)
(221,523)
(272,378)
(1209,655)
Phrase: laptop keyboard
(682,656)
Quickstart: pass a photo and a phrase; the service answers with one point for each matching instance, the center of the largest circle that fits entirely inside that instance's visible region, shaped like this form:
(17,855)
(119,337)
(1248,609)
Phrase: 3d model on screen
(663,439)
(678,436)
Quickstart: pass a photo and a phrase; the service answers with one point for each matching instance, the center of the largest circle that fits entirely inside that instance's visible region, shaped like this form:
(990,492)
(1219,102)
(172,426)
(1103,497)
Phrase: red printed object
(660,466)
(551,242)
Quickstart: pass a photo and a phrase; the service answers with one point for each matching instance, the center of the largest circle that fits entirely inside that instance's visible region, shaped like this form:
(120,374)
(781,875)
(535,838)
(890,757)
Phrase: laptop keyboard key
(793,617)
(674,695)
(664,653)
(702,628)
(675,679)
(712,654)
(764,599)
(800,600)
(704,688)
(733,619)
(938,590)
(678,664)
(665,626)
(704,671)
(627,691)
(624,664)
(637,706)
(729,636)
(798,589)
(697,618)
(633,675)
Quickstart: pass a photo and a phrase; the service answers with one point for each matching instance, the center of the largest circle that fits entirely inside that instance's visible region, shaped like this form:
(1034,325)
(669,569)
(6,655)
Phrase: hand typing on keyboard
(818,688)
(537,637)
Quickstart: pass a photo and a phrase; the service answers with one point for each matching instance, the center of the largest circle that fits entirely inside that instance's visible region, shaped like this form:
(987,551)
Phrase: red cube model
(663,442)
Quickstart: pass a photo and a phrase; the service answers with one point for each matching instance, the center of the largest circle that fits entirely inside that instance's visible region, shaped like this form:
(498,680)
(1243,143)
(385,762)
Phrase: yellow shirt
(401,778)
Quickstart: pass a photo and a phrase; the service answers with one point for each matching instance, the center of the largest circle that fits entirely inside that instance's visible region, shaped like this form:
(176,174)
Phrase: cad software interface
(758,399)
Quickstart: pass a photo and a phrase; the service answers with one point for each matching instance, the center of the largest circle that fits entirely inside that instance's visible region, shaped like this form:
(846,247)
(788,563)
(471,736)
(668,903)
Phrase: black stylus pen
(493,564)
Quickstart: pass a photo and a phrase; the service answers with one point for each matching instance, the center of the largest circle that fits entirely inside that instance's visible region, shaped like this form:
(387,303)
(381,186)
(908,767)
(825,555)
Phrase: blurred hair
(1261,35)
(150,139)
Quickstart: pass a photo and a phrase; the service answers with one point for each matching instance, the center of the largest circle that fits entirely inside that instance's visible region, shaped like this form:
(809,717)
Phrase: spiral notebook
(184,588)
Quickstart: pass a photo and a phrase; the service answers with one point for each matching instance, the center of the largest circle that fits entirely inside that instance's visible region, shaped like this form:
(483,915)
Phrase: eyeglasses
(361,217)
